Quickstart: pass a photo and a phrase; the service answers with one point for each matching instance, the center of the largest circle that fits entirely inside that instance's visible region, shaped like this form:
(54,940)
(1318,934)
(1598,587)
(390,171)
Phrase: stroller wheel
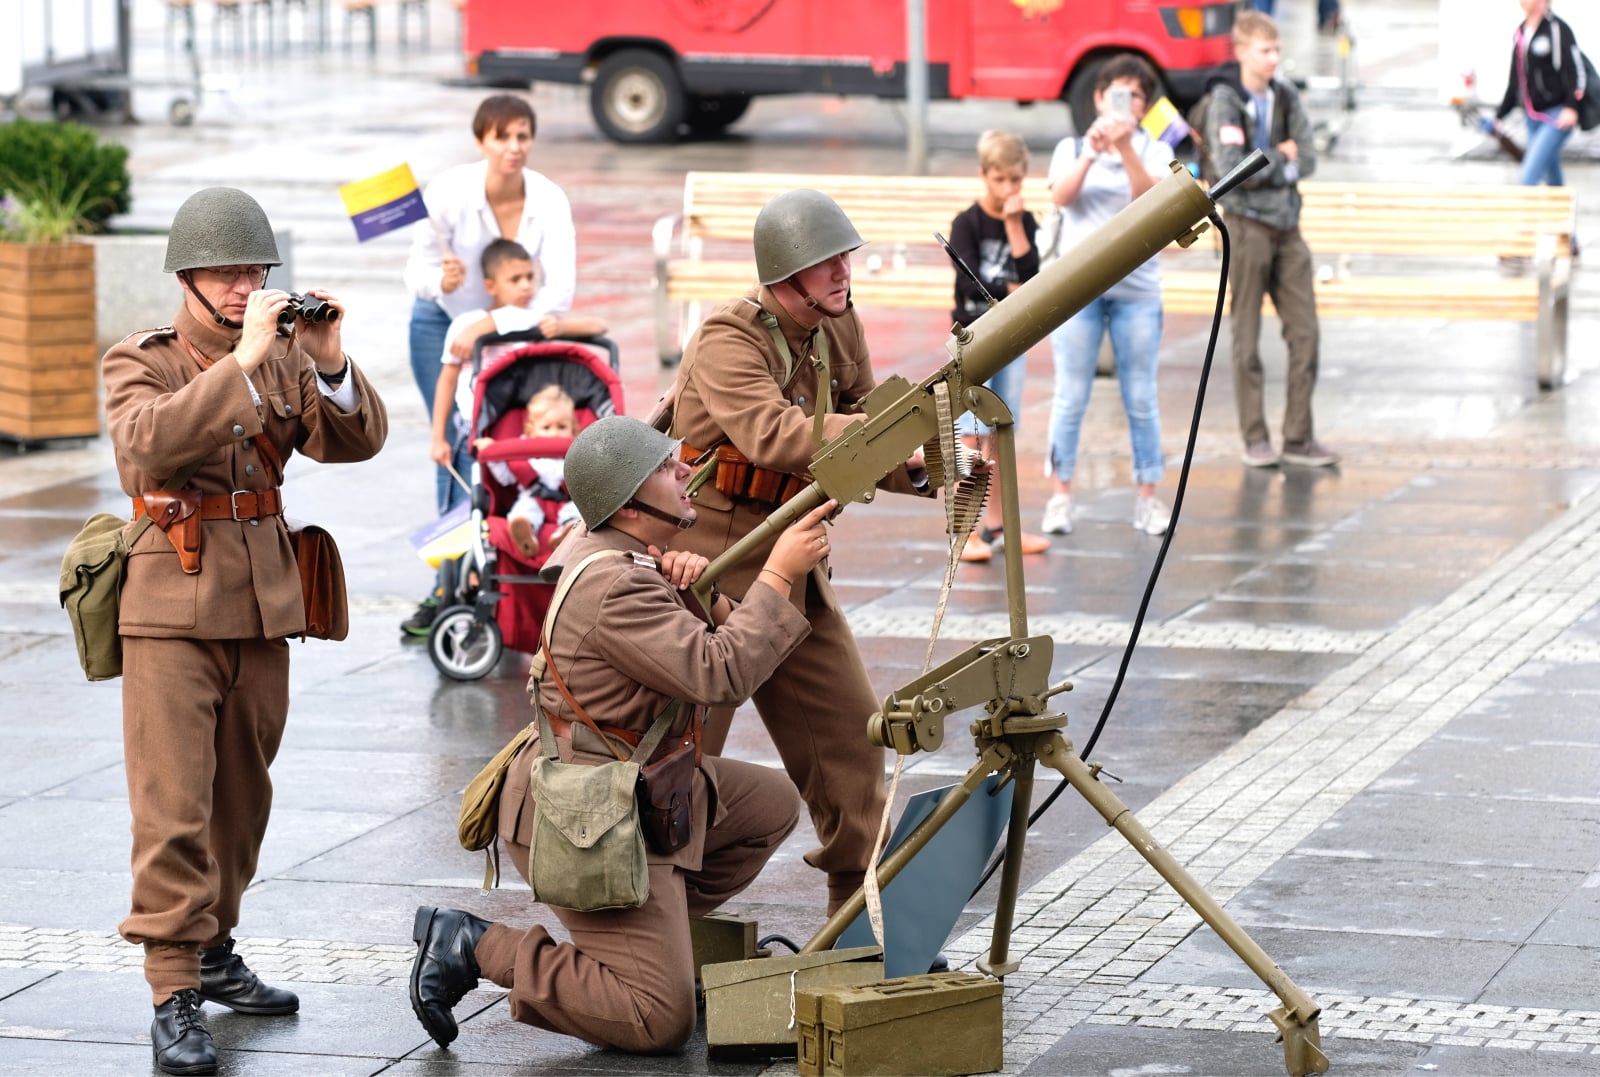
(462,647)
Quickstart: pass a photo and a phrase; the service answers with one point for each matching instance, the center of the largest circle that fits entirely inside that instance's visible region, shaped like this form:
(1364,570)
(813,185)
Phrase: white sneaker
(1057,515)
(1151,516)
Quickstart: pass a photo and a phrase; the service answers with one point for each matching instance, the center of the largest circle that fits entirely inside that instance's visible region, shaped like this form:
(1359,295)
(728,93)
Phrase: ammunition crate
(718,937)
(750,1004)
(939,1024)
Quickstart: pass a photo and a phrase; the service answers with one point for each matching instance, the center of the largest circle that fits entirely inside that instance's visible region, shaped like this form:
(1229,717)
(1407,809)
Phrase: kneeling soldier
(625,645)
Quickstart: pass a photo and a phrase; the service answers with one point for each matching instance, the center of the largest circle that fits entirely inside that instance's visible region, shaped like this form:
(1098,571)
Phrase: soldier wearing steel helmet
(626,645)
(763,379)
(224,395)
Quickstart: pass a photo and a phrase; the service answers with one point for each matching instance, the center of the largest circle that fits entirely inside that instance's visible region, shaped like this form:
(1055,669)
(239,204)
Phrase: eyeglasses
(229,275)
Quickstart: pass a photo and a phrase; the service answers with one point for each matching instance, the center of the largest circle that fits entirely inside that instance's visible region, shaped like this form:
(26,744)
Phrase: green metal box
(750,1004)
(939,1024)
(718,937)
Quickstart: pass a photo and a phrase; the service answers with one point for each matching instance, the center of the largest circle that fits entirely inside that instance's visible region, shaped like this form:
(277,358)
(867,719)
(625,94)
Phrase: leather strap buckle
(233,503)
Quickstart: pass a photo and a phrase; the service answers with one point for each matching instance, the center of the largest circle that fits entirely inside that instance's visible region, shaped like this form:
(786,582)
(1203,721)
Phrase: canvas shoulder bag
(92,570)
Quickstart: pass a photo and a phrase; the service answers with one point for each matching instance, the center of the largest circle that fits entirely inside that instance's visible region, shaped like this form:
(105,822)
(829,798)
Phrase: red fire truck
(659,67)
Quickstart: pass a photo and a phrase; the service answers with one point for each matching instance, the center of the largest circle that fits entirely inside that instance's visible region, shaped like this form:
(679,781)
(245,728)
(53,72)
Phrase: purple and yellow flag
(383,202)
(1163,123)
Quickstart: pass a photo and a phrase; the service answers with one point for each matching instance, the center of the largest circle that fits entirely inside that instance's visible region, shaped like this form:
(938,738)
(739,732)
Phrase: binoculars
(307,308)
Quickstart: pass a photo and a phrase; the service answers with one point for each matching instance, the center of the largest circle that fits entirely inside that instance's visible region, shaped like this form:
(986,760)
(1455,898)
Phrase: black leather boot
(446,967)
(226,980)
(178,1037)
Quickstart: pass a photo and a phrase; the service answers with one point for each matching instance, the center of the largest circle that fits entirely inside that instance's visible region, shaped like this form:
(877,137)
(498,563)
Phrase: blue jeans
(1135,327)
(1007,385)
(1541,162)
(429,324)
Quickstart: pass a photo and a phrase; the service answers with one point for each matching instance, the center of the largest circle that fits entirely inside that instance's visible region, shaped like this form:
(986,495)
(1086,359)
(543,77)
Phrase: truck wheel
(637,97)
(714,113)
(1080,96)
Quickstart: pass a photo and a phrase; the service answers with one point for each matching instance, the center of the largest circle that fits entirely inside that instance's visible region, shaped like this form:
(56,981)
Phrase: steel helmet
(609,461)
(220,226)
(798,229)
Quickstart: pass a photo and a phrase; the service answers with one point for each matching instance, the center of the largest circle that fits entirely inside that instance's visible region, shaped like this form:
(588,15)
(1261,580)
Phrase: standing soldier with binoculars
(764,379)
(202,416)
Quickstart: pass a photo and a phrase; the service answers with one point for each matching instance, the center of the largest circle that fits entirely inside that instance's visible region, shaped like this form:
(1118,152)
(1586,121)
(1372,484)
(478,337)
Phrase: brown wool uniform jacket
(163,411)
(626,645)
(730,390)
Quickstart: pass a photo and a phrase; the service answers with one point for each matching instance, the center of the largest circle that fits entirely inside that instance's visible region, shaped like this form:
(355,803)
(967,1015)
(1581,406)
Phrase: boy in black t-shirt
(994,236)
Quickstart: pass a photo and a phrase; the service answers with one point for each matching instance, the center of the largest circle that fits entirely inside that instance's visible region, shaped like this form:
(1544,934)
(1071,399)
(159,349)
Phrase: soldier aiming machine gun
(1009,676)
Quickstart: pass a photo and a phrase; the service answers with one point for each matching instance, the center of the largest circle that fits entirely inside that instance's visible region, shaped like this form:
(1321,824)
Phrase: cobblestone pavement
(1364,713)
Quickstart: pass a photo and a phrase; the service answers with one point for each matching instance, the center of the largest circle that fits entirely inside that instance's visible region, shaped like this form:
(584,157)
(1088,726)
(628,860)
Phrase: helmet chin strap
(683,523)
(216,316)
(793,281)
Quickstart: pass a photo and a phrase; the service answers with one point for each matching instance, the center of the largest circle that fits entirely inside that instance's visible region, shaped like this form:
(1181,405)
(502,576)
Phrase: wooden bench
(1387,250)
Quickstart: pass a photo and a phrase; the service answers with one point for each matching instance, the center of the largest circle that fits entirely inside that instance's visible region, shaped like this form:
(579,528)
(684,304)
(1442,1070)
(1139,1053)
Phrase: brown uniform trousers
(626,979)
(626,645)
(1267,261)
(732,387)
(205,689)
(220,734)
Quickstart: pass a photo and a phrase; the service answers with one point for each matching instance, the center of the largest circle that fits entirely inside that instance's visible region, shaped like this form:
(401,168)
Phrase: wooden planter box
(49,361)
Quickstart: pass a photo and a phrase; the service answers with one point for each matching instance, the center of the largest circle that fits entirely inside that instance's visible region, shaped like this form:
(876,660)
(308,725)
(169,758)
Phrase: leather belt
(563,727)
(239,505)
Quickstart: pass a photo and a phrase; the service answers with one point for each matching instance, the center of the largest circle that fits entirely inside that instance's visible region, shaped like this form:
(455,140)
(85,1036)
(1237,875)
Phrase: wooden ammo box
(942,1023)
(750,1004)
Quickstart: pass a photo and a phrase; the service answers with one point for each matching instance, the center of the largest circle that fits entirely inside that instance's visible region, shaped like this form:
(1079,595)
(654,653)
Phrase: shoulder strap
(542,662)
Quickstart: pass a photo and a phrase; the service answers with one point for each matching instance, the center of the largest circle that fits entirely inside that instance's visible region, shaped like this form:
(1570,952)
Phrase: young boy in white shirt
(511,278)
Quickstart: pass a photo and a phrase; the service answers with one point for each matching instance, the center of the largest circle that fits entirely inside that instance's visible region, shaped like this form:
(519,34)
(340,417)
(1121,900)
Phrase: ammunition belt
(742,481)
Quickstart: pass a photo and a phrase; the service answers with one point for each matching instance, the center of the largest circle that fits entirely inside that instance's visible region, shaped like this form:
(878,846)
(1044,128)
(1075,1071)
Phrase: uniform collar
(212,340)
(793,331)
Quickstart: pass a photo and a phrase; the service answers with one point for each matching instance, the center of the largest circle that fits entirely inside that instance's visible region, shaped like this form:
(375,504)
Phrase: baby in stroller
(550,414)
(494,596)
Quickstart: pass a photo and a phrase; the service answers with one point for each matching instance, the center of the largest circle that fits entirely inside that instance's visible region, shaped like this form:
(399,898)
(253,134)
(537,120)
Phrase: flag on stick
(383,202)
(1163,123)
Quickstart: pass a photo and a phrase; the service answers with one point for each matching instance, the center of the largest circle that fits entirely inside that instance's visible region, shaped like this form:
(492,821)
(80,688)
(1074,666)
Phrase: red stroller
(492,596)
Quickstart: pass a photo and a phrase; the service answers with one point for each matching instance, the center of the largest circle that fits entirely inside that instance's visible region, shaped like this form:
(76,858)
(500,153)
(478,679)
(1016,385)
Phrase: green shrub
(68,159)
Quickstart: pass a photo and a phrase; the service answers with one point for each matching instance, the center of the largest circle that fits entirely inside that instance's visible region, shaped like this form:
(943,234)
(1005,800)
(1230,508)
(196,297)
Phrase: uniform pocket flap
(583,803)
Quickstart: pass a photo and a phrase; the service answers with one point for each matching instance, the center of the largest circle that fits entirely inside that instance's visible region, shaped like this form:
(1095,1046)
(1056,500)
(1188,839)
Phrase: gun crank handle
(1241,172)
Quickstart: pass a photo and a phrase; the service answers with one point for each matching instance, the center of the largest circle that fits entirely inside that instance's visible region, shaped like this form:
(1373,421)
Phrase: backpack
(1588,108)
(1196,119)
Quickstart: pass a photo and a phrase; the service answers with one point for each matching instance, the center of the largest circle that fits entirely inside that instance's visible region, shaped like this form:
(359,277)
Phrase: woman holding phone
(1093,178)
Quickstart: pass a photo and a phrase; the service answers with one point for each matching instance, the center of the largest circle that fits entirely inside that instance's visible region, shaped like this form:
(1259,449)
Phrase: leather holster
(177,513)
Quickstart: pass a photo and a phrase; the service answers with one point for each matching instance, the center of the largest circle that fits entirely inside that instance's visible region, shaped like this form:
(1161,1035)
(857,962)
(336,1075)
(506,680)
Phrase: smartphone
(1119,103)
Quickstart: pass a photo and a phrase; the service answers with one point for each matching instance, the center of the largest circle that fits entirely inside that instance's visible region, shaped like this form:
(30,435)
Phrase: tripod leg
(993,759)
(1296,1020)
(998,963)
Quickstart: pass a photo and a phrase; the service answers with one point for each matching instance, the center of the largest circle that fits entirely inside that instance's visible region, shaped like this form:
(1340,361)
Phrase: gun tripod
(1010,677)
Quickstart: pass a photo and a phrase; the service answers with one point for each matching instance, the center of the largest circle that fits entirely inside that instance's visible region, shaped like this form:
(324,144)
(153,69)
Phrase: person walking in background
(995,237)
(1094,178)
(1249,108)
(1547,81)
(470,206)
